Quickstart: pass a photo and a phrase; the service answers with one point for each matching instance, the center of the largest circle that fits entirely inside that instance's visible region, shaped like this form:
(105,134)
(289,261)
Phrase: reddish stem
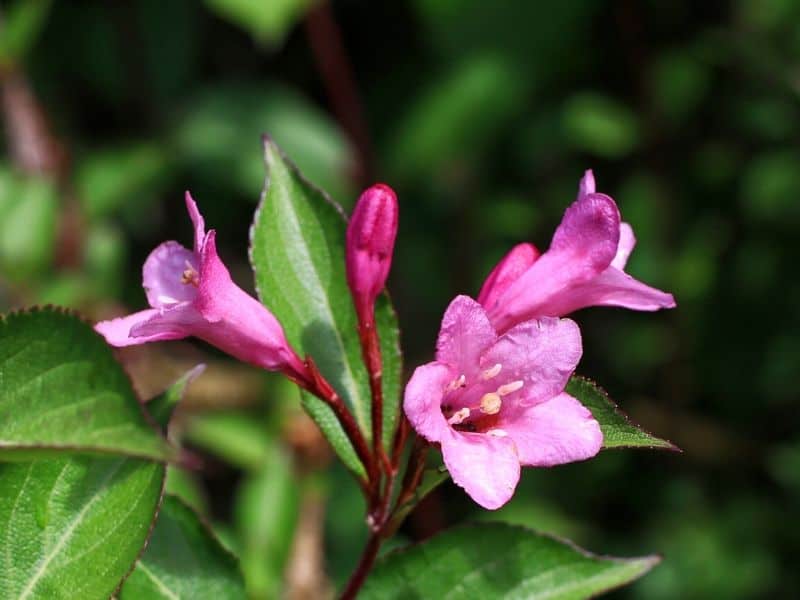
(365,563)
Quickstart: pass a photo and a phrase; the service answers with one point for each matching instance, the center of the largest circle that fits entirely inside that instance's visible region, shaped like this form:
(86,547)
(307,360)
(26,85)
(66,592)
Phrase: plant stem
(368,556)
(371,352)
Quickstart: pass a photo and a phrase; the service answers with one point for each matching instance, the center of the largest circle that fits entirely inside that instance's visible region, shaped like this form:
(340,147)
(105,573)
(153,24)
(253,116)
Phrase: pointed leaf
(62,390)
(618,430)
(74,527)
(161,407)
(499,561)
(297,254)
(183,559)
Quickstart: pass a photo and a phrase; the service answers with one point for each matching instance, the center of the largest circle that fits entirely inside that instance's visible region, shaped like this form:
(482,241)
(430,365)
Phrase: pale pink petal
(583,246)
(486,466)
(464,335)
(423,400)
(555,432)
(117,332)
(197,222)
(542,354)
(173,323)
(506,272)
(164,275)
(586,185)
(613,288)
(626,243)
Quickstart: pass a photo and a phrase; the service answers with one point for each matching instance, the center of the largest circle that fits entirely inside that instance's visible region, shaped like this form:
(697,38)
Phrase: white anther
(491,403)
(498,432)
(459,416)
(460,382)
(508,388)
(493,372)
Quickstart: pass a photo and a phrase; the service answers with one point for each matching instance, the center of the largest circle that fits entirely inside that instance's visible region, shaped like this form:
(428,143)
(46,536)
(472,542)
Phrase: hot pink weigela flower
(191,294)
(495,403)
(584,266)
(370,243)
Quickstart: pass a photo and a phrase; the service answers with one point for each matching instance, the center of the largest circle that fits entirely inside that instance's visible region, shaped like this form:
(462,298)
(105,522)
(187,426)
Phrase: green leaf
(183,560)
(161,407)
(499,561)
(72,528)
(618,430)
(62,390)
(268,22)
(22,23)
(601,125)
(297,254)
(265,516)
(233,436)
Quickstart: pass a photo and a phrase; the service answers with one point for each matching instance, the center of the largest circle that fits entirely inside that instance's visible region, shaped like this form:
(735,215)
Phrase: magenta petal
(626,243)
(486,466)
(540,353)
(465,333)
(615,288)
(586,185)
(555,432)
(118,332)
(506,272)
(163,275)
(197,222)
(423,399)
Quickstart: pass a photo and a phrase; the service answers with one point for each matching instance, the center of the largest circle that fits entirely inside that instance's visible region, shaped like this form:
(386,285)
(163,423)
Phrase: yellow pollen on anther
(459,416)
(493,372)
(508,388)
(460,382)
(190,275)
(491,403)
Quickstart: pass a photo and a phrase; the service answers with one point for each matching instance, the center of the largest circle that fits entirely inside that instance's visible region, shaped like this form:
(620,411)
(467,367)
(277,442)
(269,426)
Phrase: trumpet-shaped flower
(191,294)
(584,266)
(495,403)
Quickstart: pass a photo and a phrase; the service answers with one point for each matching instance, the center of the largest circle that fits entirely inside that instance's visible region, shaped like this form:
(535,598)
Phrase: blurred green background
(483,116)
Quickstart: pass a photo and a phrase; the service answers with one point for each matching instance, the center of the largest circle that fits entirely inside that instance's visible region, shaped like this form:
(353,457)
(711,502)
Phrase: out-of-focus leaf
(222,152)
(74,526)
(679,83)
(265,514)
(183,559)
(28,208)
(62,390)
(618,430)
(111,179)
(297,254)
(235,437)
(600,125)
(104,255)
(769,188)
(268,22)
(184,485)
(22,22)
(499,561)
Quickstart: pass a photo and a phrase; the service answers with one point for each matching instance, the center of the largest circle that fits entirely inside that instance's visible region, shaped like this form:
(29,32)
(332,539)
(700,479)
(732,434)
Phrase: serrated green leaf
(183,560)
(297,254)
(72,528)
(62,390)
(618,430)
(499,561)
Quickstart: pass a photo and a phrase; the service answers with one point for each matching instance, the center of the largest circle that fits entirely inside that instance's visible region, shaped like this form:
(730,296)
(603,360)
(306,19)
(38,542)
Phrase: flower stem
(368,556)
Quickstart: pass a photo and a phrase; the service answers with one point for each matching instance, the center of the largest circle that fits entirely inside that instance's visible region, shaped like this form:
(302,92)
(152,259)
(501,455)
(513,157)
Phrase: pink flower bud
(370,243)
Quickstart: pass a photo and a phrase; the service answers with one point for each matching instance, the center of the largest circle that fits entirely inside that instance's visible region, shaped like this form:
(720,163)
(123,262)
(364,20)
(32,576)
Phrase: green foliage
(600,125)
(297,254)
(63,390)
(72,527)
(21,25)
(499,561)
(183,559)
(618,431)
(268,22)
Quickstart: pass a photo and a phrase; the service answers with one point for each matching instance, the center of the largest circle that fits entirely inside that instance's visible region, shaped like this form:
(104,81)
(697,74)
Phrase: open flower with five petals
(191,294)
(495,403)
(584,266)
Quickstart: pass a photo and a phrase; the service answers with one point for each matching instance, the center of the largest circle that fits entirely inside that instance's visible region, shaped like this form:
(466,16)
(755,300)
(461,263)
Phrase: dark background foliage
(483,116)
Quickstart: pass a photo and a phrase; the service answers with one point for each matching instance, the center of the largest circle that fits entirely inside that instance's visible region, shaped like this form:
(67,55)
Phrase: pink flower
(370,244)
(191,294)
(584,266)
(496,403)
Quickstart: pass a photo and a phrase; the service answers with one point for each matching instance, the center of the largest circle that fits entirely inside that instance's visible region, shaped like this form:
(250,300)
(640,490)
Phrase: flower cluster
(493,399)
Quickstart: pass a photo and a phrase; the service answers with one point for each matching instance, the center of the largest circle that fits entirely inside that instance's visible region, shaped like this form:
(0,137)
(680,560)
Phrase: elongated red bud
(370,244)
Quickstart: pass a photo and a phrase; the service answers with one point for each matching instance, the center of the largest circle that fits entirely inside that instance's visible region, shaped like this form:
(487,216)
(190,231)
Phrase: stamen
(493,372)
(491,403)
(508,388)
(460,382)
(498,432)
(459,416)
(190,276)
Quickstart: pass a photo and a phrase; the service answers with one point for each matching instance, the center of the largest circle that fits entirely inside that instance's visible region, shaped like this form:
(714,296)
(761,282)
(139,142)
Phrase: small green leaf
(601,125)
(297,254)
(183,560)
(162,406)
(499,561)
(74,527)
(618,430)
(62,390)
(22,24)
(268,22)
